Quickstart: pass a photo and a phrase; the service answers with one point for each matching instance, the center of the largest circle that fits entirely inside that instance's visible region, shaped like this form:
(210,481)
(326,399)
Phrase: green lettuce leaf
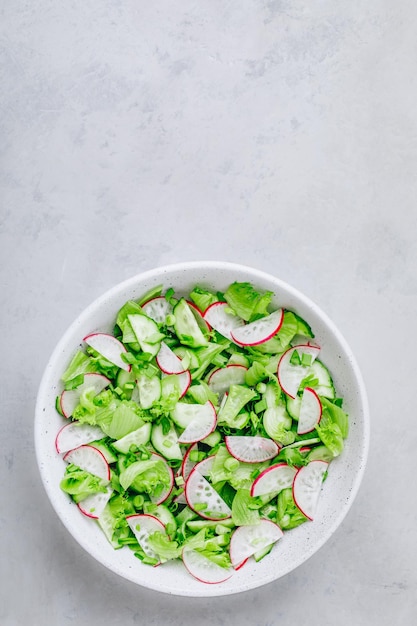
(79,484)
(246,302)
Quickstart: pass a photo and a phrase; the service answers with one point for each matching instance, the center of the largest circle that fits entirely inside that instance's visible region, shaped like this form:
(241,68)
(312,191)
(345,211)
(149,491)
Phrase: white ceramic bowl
(345,473)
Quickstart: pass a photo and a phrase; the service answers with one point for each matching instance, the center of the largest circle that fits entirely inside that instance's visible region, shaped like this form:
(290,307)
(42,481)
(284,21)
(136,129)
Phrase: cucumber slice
(186,326)
(105,451)
(161,512)
(149,390)
(325,385)
(146,332)
(166,444)
(320,453)
(138,437)
(293,406)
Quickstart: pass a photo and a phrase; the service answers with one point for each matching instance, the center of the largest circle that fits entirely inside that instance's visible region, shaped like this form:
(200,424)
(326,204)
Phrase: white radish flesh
(290,375)
(310,411)
(220,319)
(221,379)
(109,347)
(90,460)
(167,360)
(307,487)
(74,434)
(247,540)
(259,331)
(94,505)
(204,499)
(142,526)
(273,479)
(251,449)
(158,309)
(203,569)
(202,424)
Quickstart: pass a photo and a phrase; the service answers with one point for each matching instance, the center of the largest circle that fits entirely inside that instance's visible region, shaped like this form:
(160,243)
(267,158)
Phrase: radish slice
(74,435)
(184,380)
(94,505)
(251,449)
(289,375)
(204,467)
(142,526)
(307,487)
(273,479)
(70,398)
(157,309)
(220,380)
(310,411)
(259,331)
(202,424)
(220,319)
(109,347)
(203,569)
(187,464)
(168,362)
(247,540)
(203,499)
(90,460)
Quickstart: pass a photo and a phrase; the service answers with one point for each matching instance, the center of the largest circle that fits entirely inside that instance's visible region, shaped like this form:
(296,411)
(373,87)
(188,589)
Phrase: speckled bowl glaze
(345,472)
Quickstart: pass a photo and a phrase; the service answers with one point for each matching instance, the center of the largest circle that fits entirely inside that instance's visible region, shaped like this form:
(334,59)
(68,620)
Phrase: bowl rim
(185,266)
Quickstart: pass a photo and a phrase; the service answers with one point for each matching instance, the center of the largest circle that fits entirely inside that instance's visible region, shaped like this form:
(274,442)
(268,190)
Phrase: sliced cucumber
(188,357)
(138,437)
(186,326)
(161,512)
(105,451)
(213,439)
(325,385)
(149,390)
(166,444)
(293,406)
(320,453)
(263,552)
(146,332)
(106,523)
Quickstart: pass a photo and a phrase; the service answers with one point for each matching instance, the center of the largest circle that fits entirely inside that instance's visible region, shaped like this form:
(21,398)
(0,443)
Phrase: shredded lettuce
(243,514)
(288,514)
(246,301)
(79,484)
(202,298)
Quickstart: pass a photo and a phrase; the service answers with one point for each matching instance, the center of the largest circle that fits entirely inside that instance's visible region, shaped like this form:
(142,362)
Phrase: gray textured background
(279,134)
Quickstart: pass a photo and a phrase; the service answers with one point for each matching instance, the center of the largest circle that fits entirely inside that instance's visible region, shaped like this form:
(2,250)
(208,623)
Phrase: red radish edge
(66,427)
(309,517)
(161,360)
(259,341)
(96,451)
(265,472)
(186,460)
(239,458)
(284,356)
(308,430)
(227,573)
(126,366)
